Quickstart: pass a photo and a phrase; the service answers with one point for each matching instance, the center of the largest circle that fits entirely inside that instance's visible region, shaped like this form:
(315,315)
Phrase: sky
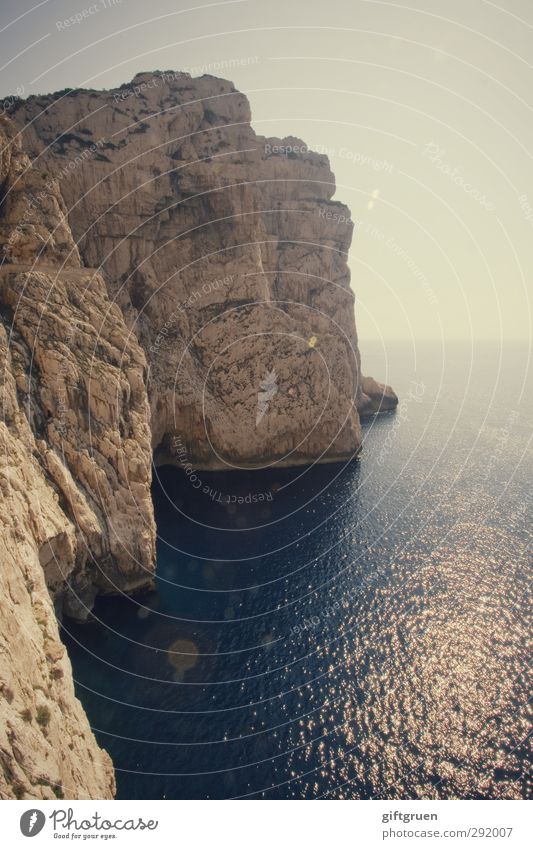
(425,110)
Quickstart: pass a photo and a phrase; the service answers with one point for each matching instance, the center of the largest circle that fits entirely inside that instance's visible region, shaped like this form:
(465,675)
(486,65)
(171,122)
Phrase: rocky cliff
(75,477)
(227,256)
(167,274)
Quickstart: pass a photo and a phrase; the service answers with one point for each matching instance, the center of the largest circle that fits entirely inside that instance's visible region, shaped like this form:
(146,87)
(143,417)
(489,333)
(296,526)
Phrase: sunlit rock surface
(228,258)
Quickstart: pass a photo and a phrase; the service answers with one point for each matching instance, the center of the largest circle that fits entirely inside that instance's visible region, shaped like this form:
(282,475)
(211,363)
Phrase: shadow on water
(236,559)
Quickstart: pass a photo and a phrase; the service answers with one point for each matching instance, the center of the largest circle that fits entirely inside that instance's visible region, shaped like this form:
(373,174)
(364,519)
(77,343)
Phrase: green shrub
(43,716)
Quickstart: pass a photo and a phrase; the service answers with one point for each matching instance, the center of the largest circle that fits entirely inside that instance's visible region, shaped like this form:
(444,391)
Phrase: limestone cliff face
(227,256)
(47,749)
(80,378)
(75,480)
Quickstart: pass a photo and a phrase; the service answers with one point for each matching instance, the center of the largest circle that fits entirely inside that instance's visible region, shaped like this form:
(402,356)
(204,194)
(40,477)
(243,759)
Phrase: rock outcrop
(167,276)
(227,256)
(376,398)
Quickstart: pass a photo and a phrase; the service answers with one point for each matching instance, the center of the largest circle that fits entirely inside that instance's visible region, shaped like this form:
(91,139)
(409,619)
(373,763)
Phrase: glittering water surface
(361,634)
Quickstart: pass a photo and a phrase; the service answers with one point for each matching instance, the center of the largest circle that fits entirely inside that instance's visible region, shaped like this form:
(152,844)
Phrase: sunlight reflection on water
(374,644)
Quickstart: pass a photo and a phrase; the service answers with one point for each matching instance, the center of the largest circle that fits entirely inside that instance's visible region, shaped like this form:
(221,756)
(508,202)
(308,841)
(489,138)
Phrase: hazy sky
(425,109)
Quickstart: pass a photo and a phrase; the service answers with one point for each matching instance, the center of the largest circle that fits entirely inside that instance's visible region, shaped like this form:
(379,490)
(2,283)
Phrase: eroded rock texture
(75,479)
(47,749)
(227,257)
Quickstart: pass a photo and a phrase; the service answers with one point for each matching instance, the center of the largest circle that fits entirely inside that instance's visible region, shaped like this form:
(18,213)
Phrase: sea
(347,631)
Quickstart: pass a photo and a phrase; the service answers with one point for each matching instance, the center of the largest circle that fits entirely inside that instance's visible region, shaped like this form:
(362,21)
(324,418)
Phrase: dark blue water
(358,631)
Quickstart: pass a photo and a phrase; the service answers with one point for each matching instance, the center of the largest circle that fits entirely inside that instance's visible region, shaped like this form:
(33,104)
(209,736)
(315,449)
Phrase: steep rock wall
(75,467)
(80,378)
(47,749)
(227,256)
